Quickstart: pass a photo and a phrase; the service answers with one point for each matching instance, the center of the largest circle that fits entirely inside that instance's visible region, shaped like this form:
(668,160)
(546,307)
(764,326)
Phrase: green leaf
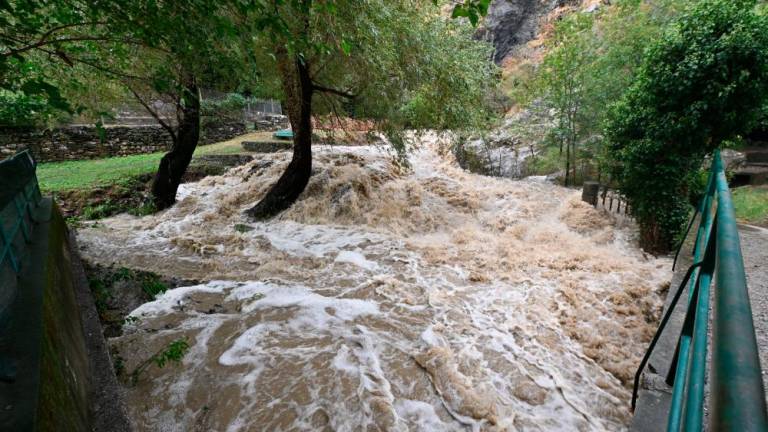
(473,17)
(460,11)
(346,47)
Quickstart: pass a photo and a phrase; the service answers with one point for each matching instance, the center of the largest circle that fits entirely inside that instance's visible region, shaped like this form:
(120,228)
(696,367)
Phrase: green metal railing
(737,396)
(19,196)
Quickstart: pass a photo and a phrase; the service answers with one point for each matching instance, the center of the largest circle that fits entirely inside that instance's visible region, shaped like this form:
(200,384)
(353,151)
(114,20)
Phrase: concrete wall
(84,142)
(52,352)
(63,393)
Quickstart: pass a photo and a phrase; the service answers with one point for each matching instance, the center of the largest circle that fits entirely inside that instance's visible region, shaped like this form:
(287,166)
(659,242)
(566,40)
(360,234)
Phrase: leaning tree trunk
(567,162)
(298,88)
(174,164)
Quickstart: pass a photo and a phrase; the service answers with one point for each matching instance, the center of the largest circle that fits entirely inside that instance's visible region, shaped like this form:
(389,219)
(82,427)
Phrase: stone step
(757,155)
(267,146)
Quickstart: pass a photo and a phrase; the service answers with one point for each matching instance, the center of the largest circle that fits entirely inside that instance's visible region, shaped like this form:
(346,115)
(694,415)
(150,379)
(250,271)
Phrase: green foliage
(35,33)
(546,162)
(118,170)
(563,76)
(104,209)
(130,319)
(145,208)
(702,83)
(471,9)
(153,286)
(688,75)
(233,104)
(102,285)
(74,51)
(101,294)
(174,352)
(74,222)
(118,364)
(123,273)
(401,62)
(243,228)
(452,85)
(591,59)
(111,207)
(21,109)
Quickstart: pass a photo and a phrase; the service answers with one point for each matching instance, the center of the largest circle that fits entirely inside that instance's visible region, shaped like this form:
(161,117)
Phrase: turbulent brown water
(427,299)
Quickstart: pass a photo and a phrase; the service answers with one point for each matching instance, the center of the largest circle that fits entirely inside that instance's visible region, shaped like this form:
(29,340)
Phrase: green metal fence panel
(19,196)
(737,393)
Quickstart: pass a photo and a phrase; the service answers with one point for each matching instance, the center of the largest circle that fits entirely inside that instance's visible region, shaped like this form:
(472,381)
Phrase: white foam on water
(357,259)
(430,299)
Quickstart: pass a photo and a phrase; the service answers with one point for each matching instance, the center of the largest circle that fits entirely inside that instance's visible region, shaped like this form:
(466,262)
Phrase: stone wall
(271,122)
(83,142)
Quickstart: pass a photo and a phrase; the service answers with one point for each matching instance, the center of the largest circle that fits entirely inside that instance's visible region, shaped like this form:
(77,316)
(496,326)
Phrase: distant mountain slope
(513,24)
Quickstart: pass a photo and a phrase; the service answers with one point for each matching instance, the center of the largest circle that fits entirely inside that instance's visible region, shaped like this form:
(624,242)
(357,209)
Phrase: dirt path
(754,246)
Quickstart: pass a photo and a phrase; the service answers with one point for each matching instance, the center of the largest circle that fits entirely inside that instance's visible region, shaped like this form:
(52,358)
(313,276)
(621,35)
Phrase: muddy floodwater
(386,299)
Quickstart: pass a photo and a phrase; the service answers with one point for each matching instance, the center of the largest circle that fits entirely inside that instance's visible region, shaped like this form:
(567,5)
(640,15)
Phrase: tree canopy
(399,63)
(702,84)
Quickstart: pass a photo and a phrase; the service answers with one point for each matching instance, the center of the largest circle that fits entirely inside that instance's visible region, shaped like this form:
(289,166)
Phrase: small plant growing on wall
(153,286)
(174,352)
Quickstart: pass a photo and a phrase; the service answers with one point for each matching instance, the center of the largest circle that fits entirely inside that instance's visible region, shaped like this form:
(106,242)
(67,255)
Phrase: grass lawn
(85,174)
(751,203)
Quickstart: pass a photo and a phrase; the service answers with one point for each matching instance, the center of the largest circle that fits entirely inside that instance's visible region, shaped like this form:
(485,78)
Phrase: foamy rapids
(422,299)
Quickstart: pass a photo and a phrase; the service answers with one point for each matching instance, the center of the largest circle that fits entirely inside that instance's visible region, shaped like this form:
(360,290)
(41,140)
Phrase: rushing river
(421,299)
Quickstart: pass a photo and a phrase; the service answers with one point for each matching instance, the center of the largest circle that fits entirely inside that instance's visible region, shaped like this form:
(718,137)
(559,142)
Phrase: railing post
(590,191)
(693,409)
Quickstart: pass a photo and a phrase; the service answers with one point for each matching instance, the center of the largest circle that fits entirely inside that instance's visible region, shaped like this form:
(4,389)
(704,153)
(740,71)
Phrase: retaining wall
(56,370)
(85,142)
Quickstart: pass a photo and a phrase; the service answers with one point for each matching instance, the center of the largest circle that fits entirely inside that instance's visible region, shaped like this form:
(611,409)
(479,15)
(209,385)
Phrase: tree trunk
(174,164)
(298,88)
(567,162)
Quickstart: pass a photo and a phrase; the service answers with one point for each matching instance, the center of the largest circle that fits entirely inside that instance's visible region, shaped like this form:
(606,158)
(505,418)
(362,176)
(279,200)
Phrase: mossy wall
(42,344)
(63,403)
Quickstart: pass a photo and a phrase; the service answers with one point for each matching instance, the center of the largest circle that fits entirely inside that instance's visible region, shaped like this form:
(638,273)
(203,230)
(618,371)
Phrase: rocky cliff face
(512,23)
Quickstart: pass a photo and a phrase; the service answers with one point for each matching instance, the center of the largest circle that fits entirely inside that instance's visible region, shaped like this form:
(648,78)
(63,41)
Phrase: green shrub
(147,207)
(174,352)
(153,286)
(229,107)
(102,210)
(703,83)
(19,109)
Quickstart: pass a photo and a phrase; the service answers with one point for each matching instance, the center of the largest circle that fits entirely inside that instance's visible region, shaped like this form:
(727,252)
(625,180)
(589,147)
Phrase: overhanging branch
(153,113)
(334,91)
(70,60)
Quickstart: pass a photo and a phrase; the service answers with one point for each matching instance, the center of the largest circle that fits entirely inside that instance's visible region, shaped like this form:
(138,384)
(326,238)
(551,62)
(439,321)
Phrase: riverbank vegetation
(638,93)
(751,204)
(400,64)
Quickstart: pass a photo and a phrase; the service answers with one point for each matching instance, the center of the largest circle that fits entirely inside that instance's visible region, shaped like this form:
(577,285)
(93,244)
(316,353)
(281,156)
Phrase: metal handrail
(738,396)
(737,393)
(22,196)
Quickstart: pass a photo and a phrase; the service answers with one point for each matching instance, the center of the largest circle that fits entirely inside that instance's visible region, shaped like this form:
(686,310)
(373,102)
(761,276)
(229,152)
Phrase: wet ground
(754,246)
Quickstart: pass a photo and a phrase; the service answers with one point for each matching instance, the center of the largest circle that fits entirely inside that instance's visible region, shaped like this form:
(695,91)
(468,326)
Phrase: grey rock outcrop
(511,23)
